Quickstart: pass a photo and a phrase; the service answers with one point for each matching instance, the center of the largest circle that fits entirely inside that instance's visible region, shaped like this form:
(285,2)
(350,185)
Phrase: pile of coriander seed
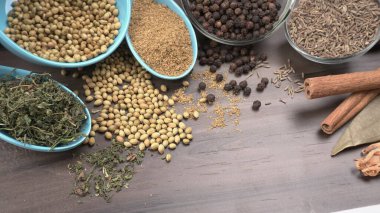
(64,31)
(132,110)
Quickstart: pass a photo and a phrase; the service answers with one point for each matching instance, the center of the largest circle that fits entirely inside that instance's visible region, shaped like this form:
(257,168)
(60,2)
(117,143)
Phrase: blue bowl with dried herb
(162,39)
(69,36)
(39,114)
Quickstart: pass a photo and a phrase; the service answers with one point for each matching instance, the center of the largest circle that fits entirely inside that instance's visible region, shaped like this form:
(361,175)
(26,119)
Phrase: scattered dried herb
(35,110)
(160,37)
(334,28)
(110,170)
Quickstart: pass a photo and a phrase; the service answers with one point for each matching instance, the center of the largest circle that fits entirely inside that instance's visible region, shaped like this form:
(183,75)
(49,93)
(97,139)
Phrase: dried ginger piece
(369,165)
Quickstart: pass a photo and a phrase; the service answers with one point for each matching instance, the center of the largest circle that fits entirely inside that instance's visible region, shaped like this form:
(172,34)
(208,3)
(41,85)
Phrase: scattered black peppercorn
(213,68)
(233,83)
(228,87)
(235,19)
(260,87)
(265,81)
(201,86)
(219,77)
(237,90)
(247,91)
(256,105)
(210,98)
(243,84)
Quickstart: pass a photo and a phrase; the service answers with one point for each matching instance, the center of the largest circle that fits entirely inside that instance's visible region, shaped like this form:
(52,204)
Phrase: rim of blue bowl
(85,130)
(13,47)
(193,38)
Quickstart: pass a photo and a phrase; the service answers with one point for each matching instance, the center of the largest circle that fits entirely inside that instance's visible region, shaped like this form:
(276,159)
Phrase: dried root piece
(370,164)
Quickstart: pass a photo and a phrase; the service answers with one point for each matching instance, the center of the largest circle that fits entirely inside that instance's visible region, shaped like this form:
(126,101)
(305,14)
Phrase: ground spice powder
(160,37)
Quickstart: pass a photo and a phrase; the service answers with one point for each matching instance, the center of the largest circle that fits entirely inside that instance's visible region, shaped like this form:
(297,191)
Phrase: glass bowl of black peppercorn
(237,22)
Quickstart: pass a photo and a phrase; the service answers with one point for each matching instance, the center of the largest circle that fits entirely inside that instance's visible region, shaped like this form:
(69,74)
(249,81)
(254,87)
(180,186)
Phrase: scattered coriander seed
(168,157)
(243,84)
(63,72)
(247,91)
(260,87)
(210,98)
(163,88)
(219,77)
(185,83)
(91,141)
(202,86)
(256,105)
(186,115)
(196,114)
(75,75)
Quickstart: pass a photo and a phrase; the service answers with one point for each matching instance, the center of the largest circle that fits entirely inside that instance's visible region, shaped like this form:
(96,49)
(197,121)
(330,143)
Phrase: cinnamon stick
(348,109)
(344,83)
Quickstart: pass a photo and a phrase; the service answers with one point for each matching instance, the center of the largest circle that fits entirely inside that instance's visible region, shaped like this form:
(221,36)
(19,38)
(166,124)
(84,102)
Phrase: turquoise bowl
(86,126)
(194,45)
(124,7)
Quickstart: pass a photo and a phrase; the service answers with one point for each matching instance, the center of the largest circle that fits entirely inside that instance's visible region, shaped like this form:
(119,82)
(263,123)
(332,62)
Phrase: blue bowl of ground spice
(194,45)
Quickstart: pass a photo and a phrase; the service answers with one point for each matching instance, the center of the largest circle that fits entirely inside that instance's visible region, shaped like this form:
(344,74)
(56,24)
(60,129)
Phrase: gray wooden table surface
(279,162)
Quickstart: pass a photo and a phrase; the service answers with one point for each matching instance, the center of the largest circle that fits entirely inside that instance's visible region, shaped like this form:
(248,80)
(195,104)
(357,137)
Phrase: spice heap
(236,20)
(132,110)
(243,59)
(160,37)
(334,29)
(64,31)
(111,170)
(36,110)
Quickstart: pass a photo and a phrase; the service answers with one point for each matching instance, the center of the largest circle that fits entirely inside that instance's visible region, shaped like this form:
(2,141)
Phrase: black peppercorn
(243,84)
(213,68)
(265,81)
(256,105)
(219,77)
(233,83)
(228,87)
(201,86)
(260,87)
(210,98)
(236,90)
(247,91)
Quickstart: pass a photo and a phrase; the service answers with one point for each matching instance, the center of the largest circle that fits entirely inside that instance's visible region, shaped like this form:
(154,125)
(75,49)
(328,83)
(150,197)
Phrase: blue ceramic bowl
(124,7)
(86,126)
(194,45)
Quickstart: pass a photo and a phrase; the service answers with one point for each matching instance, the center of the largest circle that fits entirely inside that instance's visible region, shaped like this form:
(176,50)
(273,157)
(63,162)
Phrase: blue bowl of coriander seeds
(170,4)
(123,7)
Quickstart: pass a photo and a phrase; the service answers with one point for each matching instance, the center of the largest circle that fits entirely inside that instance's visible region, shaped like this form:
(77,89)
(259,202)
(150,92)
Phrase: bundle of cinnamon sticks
(364,86)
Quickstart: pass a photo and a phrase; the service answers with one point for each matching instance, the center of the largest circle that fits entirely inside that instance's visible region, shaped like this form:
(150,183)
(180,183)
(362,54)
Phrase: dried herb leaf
(36,110)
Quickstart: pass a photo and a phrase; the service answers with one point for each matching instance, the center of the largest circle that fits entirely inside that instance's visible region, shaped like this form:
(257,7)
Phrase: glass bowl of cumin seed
(312,44)
(192,7)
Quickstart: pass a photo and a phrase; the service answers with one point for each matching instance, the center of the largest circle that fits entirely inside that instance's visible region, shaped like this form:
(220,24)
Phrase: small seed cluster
(62,30)
(133,111)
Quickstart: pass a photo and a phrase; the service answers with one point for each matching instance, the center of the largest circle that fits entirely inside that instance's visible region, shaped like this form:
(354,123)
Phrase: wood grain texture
(279,162)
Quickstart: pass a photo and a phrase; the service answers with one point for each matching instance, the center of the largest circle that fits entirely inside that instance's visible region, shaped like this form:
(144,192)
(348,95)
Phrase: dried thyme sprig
(36,110)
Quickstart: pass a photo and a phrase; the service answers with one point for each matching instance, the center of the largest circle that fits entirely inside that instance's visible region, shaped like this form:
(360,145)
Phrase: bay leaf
(363,129)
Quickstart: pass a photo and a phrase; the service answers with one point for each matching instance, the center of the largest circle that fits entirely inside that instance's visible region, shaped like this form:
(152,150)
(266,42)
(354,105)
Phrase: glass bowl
(286,6)
(321,60)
